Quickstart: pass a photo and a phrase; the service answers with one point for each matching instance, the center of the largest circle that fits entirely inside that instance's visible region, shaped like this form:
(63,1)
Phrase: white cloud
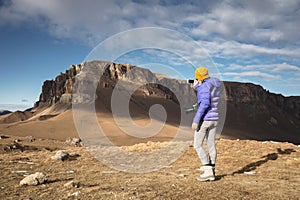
(231,29)
(91,21)
(83,20)
(252,74)
(227,49)
(219,65)
(283,67)
(250,21)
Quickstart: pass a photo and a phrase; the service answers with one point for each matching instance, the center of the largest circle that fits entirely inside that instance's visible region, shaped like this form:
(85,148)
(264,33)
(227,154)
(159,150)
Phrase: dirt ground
(245,170)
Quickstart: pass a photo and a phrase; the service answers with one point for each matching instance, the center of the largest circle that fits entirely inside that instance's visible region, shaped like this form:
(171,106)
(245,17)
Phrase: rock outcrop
(59,89)
(262,100)
(265,115)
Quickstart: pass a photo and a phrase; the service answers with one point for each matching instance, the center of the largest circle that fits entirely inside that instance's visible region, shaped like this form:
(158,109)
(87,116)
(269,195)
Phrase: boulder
(73,141)
(60,155)
(34,179)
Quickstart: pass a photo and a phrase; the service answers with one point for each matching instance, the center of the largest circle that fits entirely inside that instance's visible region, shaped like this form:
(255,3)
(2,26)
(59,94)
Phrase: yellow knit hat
(201,73)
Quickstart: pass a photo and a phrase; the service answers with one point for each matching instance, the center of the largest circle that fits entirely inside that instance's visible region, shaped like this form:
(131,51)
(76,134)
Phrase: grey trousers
(208,131)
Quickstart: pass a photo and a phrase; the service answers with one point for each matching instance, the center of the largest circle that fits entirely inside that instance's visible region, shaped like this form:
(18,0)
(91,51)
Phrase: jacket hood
(213,81)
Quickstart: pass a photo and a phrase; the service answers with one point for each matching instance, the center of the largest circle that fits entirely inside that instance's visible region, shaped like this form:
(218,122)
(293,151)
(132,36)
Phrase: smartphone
(190,81)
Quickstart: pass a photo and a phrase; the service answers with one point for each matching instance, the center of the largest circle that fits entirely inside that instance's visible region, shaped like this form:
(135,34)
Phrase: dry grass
(273,167)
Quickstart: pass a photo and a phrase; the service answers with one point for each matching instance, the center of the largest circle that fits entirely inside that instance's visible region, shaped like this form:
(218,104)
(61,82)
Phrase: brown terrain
(246,169)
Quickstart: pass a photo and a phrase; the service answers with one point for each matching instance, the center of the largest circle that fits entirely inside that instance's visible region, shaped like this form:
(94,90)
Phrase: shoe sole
(205,179)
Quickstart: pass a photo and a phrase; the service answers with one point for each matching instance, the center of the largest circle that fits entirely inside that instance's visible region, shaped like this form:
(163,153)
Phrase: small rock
(60,155)
(30,139)
(73,141)
(71,184)
(34,179)
(14,146)
(74,194)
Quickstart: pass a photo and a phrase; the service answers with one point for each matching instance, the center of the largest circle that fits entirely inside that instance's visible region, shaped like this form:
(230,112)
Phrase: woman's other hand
(194,126)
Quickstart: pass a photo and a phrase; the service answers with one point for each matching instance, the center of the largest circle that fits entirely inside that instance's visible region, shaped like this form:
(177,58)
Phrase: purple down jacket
(208,95)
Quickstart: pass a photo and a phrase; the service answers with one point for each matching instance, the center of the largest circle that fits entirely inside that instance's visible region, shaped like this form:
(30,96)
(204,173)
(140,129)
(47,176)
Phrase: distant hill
(252,112)
(17,116)
(4,112)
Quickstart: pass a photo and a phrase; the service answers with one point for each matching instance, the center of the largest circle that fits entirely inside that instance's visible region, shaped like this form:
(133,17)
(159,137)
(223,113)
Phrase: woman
(206,120)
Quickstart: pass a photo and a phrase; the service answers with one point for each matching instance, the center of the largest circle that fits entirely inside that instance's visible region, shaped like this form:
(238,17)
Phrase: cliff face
(252,112)
(239,93)
(59,89)
(268,115)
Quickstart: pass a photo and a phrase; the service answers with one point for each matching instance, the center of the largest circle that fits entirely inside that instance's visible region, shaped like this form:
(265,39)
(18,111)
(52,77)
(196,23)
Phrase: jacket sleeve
(203,102)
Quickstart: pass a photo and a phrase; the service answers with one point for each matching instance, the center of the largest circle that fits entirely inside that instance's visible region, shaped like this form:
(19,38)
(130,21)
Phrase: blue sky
(249,41)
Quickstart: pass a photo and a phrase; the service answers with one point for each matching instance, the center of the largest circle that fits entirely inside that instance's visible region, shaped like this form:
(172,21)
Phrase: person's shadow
(254,165)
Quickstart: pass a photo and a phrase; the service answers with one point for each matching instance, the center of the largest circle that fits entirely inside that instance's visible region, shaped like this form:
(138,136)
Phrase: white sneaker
(208,174)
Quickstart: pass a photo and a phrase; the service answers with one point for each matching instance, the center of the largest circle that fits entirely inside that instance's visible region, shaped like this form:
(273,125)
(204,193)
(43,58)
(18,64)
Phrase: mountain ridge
(252,111)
